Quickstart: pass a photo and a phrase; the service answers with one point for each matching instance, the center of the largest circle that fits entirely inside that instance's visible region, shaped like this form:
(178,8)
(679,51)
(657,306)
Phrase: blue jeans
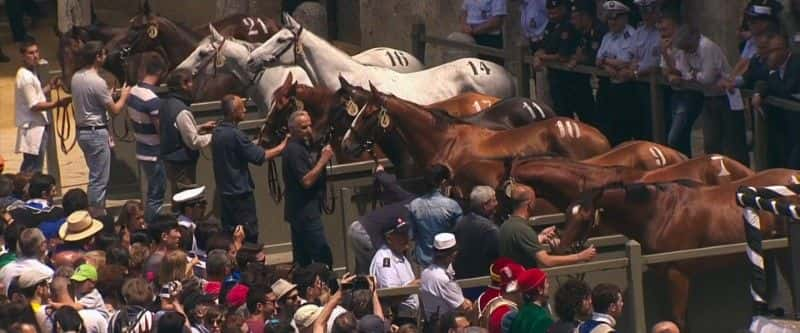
(156,185)
(34,163)
(309,243)
(686,106)
(97,153)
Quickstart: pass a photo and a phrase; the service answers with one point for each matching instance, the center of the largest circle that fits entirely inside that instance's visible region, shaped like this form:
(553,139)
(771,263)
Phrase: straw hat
(79,225)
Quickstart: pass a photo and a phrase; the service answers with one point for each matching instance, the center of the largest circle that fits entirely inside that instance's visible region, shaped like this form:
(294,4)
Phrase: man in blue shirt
(432,213)
(483,20)
(233,152)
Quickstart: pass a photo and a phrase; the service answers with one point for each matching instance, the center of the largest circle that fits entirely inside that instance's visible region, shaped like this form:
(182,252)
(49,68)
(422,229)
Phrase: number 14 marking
(481,67)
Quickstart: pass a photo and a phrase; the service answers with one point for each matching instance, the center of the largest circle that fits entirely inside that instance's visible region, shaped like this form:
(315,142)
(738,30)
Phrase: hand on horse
(587,254)
(547,234)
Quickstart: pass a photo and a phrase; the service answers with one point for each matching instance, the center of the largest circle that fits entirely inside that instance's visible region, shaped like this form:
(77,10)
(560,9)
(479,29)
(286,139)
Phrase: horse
(324,64)
(70,44)
(432,136)
(643,155)
(674,216)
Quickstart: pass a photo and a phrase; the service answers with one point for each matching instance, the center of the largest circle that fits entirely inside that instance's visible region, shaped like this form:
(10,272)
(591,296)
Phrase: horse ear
(215,35)
(373,89)
(289,79)
(289,22)
(343,82)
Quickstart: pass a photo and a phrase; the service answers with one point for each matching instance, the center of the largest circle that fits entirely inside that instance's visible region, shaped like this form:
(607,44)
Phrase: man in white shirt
(32,247)
(392,269)
(30,104)
(439,291)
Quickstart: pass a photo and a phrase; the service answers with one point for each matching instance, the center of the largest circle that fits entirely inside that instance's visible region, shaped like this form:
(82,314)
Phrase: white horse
(397,60)
(230,55)
(324,64)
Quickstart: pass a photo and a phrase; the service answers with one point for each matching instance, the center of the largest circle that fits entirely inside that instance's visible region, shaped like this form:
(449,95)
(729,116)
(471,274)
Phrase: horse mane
(636,192)
(445,119)
(180,28)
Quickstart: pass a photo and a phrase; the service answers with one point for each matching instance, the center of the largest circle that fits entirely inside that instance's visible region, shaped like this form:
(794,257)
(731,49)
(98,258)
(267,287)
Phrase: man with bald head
(665,327)
(233,152)
(304,179)
(519,242)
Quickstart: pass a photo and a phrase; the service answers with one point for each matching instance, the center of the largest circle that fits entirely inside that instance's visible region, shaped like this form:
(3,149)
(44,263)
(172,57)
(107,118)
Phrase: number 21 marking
(252,28)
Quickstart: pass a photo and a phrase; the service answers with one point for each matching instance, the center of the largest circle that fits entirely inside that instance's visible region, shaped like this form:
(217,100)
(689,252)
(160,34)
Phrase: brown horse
(643,155)
(432,136)
(667,217)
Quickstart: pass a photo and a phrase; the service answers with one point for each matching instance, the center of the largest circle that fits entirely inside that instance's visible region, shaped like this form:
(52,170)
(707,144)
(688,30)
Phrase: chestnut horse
(666,217)
(643,155)
(432,136)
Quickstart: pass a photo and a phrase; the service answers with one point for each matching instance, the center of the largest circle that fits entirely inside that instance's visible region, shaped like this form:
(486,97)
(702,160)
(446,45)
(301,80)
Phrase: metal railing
(518,61)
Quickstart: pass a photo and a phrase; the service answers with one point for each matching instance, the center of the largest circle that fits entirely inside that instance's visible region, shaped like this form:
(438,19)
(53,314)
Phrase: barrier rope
(62,125)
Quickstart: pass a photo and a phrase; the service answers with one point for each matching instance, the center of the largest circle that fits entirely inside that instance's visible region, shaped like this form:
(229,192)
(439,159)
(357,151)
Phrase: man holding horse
(520,242)
(233,153)
(305,181)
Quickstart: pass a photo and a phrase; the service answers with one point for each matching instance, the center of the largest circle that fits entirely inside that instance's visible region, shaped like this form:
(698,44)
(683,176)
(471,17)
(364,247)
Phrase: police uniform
(621,112)
(191,196)
(560,37)
(588,42)
(647,55)
(534,21)
(393,270)
(481,11)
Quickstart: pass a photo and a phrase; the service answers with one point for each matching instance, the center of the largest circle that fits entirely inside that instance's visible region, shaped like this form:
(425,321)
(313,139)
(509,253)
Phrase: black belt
(91,128)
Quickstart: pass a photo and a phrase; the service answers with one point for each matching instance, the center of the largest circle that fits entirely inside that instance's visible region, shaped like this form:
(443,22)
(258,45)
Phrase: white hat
(615,7)
(282,287)
(189,195)
(32,277)
(79,225)
(306,315)
(444,241)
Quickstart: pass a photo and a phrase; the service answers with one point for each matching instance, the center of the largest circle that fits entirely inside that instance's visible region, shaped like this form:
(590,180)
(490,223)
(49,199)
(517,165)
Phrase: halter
(293,43)
(214,58)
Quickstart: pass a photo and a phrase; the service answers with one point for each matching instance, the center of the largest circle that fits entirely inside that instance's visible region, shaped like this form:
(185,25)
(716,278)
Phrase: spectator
(180,137)
(499,299)
(78,232)
(261,305)
(288,299)
(454,321)
(483,20)
(166,231)
(132,216)
(233,152)
(68,320)
(35,286)
(704,63)
(64,294)
(534,22)
(761,19)
(590,32)
(645,60)
(783,82)
(366,233)
(191,207)
(519,242)
(573,305)
(477,229)
(39,208)
(92,98)
(143,106)
(608,304)
(16,10)
(74,200)
(439,291)
(432,213)
(758,71)
(218,267)
(615,57)
(570,92)
(392,269)
(30,105)
(85,279)
(134,317)
(32,248)
(533,316)
(175,267)
(11,234)
(171,321)
(665,327)
(305,180)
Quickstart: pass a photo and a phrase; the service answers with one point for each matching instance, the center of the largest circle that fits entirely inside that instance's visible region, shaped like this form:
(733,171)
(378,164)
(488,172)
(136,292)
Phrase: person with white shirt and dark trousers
(392,269)
(439,291)
(30,104)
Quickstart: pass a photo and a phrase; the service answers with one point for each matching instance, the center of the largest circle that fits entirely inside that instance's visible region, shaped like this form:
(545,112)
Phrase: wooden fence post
(51,155)
(522,71)
(418,41)
(635,285)
(760,141)
(657,110)
(345,200)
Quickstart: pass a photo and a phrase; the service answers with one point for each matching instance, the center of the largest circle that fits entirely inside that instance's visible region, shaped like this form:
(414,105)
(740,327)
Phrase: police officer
(590,34)
(646,59)
(558,45)
(483,20)
(392,269)
(615,56)
(534,21)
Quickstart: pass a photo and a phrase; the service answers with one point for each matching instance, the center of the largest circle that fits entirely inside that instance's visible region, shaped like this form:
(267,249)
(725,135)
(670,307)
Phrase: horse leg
(678,283)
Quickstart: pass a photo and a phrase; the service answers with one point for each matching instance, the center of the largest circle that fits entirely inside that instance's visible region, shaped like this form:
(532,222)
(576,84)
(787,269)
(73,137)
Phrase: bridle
(293,43)
(213,58)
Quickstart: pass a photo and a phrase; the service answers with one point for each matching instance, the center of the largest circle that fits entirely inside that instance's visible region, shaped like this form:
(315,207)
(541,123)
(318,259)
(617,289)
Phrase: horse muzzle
(256,65)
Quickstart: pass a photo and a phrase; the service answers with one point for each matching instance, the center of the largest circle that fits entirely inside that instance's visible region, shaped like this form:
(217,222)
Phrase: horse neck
(182,42)
(239,69)
(418,127)
(565,181)
(323,62)
(626,218)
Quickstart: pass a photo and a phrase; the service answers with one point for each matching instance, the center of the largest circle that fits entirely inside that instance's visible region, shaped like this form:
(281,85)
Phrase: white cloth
(393,271)
(439,291)
(706,66)
(30,125)
(14,269)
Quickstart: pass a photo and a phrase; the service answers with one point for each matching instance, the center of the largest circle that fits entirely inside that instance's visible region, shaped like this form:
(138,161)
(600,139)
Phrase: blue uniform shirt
(647,47)
(431,214)
(617,45)
(533,19)
(480,11)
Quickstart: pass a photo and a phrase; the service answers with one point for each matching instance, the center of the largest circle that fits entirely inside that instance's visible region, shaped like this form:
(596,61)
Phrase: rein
(64,129)
(329,198)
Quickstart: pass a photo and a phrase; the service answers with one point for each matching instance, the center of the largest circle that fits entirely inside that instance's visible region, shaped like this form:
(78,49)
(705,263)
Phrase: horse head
(276,49)
(69,48)
(370,123)
(215,52)
(582,217)
(284,103)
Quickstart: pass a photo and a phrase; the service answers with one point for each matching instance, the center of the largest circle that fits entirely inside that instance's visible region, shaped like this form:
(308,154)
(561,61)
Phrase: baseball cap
(85,272)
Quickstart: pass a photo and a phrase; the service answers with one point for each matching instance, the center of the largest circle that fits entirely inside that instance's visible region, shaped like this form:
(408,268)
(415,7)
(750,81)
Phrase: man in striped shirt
(143,105)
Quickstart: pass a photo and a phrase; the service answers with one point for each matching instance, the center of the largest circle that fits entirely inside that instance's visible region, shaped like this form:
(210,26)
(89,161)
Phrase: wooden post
(51,155)
(635,285)
(522,71)
(345,201)
(657,110)
(760,141)
(418,41)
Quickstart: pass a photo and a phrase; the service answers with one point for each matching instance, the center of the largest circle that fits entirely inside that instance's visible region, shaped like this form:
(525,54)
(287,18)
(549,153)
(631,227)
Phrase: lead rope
(64,129)
(275,190)
(329,199)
